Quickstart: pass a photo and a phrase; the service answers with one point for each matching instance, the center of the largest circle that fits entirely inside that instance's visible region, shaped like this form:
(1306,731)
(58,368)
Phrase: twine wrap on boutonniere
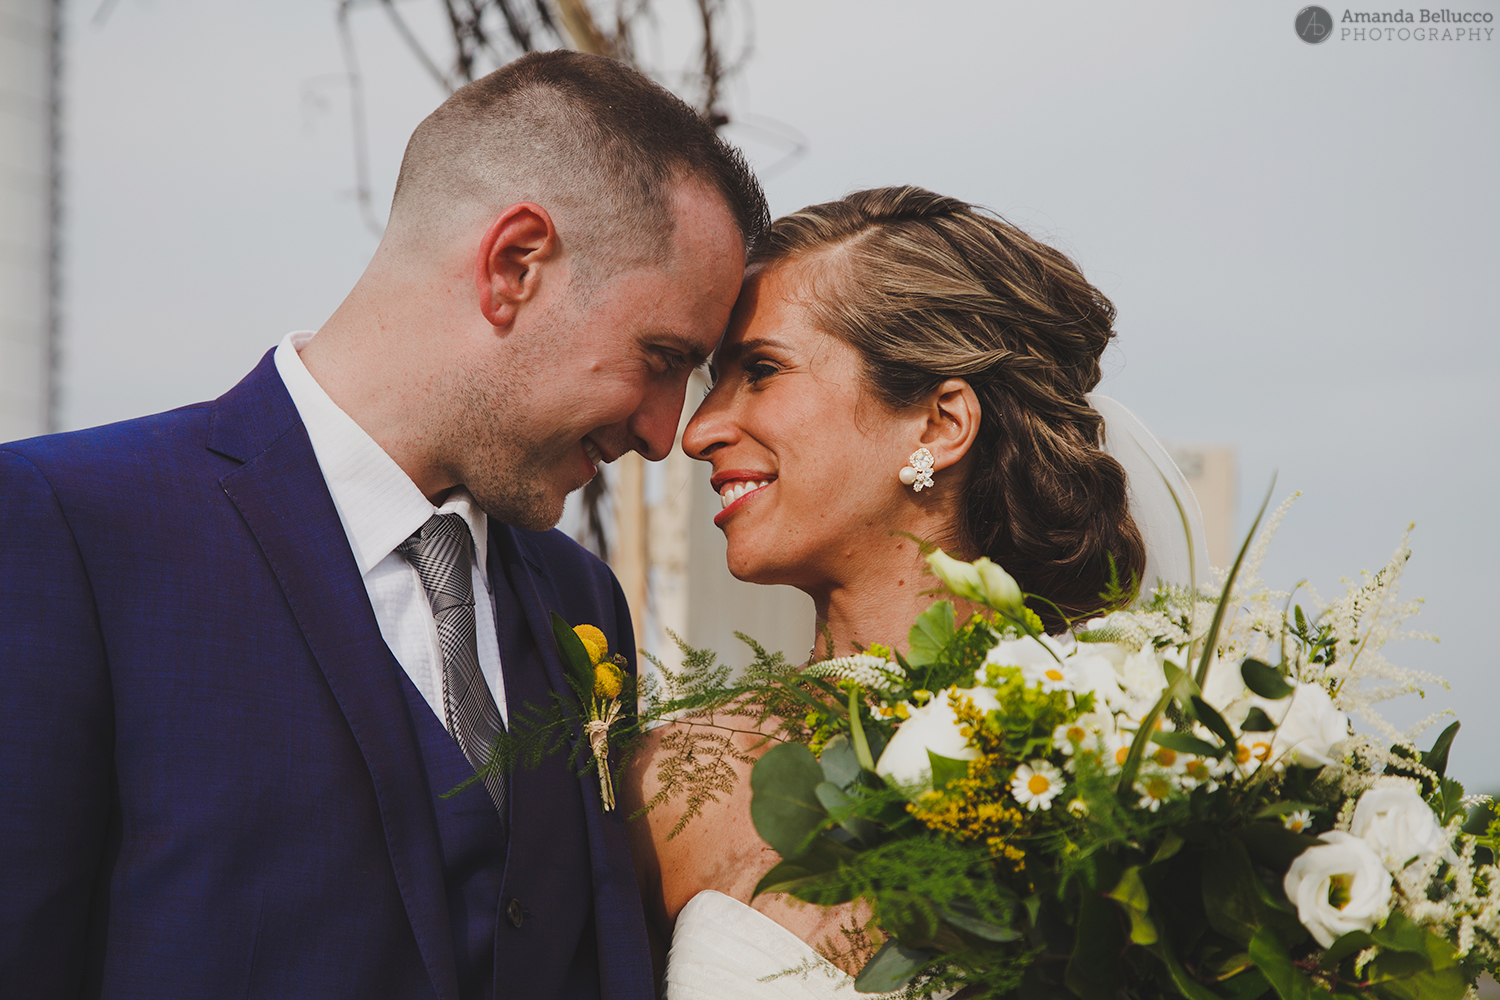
(598,679)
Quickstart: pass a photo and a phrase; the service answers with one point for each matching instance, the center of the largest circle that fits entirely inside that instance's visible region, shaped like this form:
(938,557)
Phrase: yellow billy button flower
(593,642)
(608,680)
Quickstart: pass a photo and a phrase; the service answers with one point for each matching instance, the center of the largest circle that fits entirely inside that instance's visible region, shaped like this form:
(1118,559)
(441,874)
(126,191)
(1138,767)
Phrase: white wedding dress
(724,950)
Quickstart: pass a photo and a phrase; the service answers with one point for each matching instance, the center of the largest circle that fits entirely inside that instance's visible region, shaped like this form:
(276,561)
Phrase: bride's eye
(757,370)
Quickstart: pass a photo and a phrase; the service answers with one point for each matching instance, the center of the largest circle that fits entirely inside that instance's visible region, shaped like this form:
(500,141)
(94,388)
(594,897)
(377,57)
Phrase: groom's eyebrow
(689,349)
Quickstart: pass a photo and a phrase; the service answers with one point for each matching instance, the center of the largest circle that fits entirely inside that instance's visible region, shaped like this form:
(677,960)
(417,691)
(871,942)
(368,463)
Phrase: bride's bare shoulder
(693,779)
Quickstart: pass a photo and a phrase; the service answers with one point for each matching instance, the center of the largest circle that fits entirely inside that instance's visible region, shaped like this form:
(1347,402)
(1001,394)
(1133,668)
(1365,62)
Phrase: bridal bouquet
(1169,800)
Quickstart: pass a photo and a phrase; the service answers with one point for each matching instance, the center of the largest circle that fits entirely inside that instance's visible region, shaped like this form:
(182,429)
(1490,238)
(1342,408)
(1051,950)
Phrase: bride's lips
(735,488)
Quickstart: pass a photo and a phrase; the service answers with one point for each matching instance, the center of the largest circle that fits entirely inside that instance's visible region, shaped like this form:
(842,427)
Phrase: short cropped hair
(593,141)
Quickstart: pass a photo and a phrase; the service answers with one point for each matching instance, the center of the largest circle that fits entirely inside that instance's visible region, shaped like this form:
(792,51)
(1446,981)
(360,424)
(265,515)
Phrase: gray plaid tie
(440,552)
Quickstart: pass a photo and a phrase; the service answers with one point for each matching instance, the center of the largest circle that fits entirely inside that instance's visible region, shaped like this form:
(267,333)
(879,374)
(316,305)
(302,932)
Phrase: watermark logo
(1314,25)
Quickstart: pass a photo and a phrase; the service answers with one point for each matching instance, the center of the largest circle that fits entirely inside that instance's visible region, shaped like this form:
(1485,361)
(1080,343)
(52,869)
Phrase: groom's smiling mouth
(734,485)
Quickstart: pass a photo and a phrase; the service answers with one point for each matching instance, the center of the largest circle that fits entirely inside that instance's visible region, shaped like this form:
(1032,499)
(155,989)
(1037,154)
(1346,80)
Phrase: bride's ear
(952,422)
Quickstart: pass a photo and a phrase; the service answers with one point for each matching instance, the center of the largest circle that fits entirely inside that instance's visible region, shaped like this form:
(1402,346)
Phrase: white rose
(1338,887)
(1398,826)
(1310,728)
(933,727)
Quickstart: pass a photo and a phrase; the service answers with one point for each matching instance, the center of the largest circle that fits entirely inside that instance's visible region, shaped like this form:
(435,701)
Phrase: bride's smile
(804,456)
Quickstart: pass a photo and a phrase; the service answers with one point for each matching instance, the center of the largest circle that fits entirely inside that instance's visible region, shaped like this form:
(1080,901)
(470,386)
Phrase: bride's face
(805,459)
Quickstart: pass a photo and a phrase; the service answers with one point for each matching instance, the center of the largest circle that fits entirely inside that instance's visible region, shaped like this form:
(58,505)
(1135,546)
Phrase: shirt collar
(378,504)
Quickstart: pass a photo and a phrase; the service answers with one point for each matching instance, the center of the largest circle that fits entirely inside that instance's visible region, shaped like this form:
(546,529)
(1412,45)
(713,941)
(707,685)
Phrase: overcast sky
(1303,241)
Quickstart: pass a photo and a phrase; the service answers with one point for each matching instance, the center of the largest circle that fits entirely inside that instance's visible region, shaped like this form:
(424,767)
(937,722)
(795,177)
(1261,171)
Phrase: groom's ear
(508,268)
(952,422)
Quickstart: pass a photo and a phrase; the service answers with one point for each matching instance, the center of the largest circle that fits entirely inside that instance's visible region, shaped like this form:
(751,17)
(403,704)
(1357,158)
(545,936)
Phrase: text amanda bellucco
(1427,26)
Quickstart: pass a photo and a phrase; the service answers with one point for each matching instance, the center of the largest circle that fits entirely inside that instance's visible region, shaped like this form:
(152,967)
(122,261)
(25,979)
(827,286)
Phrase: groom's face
(603,370)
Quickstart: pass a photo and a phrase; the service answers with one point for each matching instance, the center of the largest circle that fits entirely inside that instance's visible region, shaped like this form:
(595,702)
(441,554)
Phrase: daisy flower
(1297,821)
(1036,785)
(1049,677)
(1154,791)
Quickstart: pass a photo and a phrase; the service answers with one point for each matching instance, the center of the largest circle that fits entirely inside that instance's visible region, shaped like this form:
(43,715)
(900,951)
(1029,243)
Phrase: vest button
(514,912)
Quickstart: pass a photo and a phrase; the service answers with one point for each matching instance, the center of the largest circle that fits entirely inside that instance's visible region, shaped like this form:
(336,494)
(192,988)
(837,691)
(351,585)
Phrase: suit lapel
(624,961)
(280,492)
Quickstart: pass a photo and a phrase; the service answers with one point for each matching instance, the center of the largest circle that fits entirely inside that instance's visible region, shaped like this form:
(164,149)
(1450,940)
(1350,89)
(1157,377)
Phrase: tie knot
(443,534)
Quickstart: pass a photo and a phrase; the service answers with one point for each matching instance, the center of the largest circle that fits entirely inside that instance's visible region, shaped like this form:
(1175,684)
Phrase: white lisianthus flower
(1142,681)
(1338,887)
(934,727)
(1398,826)
(980,580)
(1095,673)
(1309,729)
(1035,785)
(1026,652)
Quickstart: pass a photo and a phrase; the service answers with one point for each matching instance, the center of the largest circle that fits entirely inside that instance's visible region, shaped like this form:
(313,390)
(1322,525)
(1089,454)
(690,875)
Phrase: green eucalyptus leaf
(1185,983)
(834,799)
(1212,720)
(966,917)
(1180,683)
(1186,743)
(1093,970)
(784,803)
(1257,721)
(946,770)
(890,968)
(1265,680)
(807,877)
(1275,963)
(1438,984)
(1248,985)
(1436,759)
(1273,845)
(1170,844)
(1349,944)
(839,762)
(1399,933)
(1130,893)
(931,634)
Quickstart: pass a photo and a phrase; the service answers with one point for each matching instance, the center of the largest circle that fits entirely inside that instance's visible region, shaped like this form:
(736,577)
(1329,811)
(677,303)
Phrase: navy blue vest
(527,929)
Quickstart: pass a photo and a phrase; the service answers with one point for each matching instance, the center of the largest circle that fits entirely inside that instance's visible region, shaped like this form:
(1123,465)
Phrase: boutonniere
(598,679)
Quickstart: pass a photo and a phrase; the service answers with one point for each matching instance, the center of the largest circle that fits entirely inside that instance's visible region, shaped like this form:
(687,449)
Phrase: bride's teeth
(734,491)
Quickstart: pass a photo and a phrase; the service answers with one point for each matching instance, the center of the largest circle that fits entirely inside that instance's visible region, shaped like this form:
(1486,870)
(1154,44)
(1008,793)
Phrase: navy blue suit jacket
(209,781)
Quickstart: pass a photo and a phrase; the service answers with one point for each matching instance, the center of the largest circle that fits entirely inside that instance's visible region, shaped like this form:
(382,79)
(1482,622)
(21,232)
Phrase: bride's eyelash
(757,370)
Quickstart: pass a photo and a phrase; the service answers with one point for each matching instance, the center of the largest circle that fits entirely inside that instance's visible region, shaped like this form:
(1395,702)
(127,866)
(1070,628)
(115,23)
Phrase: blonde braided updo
(928,288)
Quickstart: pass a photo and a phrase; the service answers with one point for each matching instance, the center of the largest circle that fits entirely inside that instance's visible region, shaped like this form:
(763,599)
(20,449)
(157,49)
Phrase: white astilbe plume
(869,671)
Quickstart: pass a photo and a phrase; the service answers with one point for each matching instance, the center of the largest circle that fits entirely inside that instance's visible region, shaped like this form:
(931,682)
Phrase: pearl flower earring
(917,473)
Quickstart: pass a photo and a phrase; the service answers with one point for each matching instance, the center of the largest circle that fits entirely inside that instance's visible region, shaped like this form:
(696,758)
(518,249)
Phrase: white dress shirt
(380,507)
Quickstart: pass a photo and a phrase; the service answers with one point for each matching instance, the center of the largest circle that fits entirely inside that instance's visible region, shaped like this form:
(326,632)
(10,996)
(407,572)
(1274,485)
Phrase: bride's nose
(712,426)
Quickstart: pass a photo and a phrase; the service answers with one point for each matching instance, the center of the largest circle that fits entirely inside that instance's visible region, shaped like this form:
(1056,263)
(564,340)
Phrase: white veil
(1161,501)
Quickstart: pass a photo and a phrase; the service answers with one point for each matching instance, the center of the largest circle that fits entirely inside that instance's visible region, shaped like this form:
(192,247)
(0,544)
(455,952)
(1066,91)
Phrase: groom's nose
(653,426)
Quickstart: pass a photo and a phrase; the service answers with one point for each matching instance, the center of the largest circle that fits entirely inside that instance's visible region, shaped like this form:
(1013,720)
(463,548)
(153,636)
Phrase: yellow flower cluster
(609,679)
(974,808)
